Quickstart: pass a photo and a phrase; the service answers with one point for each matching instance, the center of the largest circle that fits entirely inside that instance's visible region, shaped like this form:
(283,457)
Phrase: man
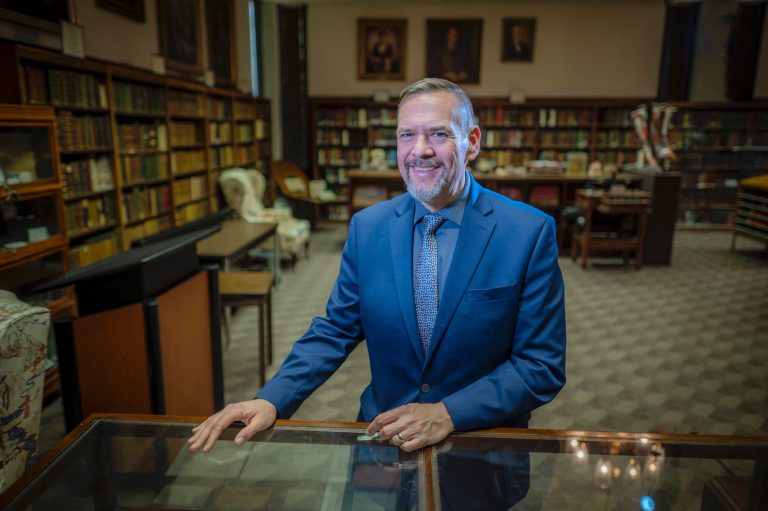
(464,318)
(517,46)
(449,61)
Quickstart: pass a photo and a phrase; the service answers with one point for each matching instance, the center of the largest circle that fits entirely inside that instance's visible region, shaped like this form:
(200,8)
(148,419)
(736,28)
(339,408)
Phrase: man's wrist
(447,419)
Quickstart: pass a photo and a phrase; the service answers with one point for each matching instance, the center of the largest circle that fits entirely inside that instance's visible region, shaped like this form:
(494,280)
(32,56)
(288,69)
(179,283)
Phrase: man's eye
(440,135)
(405,135)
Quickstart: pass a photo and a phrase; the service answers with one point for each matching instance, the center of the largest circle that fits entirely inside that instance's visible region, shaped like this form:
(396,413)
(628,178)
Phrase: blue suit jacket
(498,346)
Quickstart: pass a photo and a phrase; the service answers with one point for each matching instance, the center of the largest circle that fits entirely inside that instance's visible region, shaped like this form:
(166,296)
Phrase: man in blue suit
(464,319)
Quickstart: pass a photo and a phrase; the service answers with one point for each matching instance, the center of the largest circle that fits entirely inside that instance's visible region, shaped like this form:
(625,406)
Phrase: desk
(141,462)
(234,240)
(632,202)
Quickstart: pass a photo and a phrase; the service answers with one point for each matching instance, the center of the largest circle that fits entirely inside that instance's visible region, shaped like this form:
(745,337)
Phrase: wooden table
(234,240)
(142,462)
(633,202)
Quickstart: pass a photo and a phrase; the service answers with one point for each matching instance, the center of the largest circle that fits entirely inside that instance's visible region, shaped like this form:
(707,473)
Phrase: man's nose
(423,147)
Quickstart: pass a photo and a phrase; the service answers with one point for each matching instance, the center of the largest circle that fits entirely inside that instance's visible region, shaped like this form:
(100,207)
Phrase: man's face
(432,153)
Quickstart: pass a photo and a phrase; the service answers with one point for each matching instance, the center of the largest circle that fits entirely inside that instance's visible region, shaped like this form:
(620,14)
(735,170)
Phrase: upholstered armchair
(244,191)
(23,341)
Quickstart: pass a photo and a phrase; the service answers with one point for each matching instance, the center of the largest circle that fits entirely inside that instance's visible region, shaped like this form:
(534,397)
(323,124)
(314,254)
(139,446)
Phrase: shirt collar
(453,211)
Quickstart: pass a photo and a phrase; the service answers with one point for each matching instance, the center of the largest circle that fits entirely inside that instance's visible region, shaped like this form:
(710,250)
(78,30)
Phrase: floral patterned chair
(23,341)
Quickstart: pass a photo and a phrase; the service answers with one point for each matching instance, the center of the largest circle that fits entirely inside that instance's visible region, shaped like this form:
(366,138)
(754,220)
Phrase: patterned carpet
(676,349)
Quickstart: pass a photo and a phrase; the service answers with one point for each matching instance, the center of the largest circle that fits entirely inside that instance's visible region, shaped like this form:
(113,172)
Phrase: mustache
(418,162)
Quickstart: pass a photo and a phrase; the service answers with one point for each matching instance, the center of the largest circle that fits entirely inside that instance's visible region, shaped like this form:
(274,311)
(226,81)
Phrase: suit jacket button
(425,388)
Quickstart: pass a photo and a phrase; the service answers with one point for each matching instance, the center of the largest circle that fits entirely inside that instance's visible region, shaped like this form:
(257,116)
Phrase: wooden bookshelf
(714,143)
(33,244)
(139,152)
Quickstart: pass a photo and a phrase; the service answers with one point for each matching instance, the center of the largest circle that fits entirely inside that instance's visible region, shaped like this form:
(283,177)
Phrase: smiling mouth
(424,167)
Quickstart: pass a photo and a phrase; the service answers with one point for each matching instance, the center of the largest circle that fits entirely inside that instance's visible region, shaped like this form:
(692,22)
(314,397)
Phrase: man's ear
(474,143)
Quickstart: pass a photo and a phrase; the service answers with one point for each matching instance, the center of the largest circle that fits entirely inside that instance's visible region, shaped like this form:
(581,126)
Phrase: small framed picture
(518,36)
(453,49)
(381,49)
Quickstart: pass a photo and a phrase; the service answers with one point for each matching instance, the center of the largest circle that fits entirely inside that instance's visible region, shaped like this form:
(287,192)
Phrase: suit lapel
(401,242)
(476,230)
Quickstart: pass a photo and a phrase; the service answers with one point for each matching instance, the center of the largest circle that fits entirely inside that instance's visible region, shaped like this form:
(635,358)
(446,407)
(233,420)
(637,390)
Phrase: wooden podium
(148,336)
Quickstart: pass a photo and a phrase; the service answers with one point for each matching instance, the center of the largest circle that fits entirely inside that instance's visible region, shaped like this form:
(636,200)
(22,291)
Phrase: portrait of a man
(453,50)
(381,49)
(517,39)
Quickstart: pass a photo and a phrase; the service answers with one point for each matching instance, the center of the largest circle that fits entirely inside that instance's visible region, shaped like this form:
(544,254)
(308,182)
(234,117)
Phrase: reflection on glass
(25,155)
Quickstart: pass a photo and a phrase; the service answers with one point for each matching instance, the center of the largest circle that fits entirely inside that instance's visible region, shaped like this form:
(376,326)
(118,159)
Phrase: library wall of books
(638,130)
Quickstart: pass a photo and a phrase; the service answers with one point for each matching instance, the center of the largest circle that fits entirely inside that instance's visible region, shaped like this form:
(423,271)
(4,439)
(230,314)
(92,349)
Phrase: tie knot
(432,221)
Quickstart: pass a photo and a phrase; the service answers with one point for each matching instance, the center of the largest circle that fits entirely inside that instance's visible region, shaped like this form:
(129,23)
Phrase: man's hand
(413,426)
(257,415)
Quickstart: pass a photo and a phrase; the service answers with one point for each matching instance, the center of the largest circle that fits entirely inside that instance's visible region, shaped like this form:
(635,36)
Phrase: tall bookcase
(714,143)
(139,152)
(33,241)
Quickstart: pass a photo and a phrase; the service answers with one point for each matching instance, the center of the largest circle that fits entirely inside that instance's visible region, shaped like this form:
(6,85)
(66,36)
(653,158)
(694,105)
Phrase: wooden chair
(591,237)
(293,184)
(241,288)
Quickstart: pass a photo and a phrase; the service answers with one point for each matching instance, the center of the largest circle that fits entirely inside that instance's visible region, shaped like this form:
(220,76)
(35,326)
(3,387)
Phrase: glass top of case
(145,464)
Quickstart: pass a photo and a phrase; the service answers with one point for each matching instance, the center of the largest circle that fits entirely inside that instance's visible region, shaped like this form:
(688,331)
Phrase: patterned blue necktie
(425,280)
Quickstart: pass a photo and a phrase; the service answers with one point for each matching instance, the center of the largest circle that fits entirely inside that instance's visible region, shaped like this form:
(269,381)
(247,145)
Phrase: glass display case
(25,155)
(142,462)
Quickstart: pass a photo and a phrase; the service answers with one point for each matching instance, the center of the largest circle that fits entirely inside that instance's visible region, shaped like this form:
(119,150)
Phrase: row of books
(141,203)
(185,190)
(616,116)
(564,138)
(736,160)
(85,176)
(510,138)
(244,110)
(342,117)
(82,132)
(89,214)
(97,248)
(145,167)
(147,228)
(220,132)
(383,137)
(338,213)
(343,137)
(134,98)
(714,119)
(188,161)
(185,133)
(691,140)
(219,109)
(500,115)
(336,176)
(503,158)
(186,103)
(245,132)
(142,137)
(245,154)
(260,129)
(617,138)
(64,88)
(383,117)
(223,157)
(336,156)
(191,212)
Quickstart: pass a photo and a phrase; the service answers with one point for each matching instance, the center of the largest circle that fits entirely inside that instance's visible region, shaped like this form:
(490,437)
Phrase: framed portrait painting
(381,49)
(178,23)
(518,36)
(453,49)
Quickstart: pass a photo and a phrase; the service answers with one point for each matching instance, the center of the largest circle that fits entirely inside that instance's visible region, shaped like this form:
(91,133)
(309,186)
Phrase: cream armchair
(23,341)
(244,191)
